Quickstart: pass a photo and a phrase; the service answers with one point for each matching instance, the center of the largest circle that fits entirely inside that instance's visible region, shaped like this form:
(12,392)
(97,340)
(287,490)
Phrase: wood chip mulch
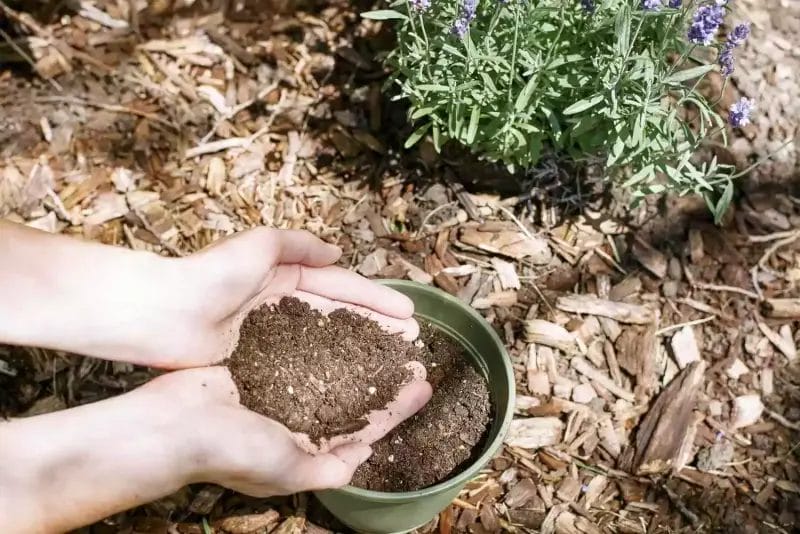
(655,354)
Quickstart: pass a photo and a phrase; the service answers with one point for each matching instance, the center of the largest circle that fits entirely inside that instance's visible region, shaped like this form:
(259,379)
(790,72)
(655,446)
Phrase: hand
(220,285)
(180,428)
(244,451)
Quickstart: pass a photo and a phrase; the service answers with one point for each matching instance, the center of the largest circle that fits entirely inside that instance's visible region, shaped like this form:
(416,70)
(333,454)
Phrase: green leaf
(622,29)
(474,118)
(422,112)
(418,134)
(384,14)
(526,94)
(689,74)
(643,173)
(583,105)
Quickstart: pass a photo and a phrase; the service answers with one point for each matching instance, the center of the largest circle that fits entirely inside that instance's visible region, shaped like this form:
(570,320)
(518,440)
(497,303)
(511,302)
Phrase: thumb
(330,470)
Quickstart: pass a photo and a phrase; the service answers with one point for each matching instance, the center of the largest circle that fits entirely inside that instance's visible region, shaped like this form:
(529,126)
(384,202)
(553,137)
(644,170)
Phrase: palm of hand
(239,274)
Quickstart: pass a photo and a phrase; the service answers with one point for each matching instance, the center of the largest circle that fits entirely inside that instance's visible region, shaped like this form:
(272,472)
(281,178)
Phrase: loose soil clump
(448,432)
(318,375)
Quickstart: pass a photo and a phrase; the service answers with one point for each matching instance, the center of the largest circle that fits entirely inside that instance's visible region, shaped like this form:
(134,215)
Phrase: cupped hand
(220,285)
(244,451)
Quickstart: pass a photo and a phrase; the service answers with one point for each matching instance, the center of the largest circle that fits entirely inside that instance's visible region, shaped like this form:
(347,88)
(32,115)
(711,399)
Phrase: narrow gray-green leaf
(384,14)
(583,105)
(689,74)
(474,118)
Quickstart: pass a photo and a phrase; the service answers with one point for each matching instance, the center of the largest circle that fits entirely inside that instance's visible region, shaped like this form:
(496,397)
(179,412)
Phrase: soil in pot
(322,375)
(442,438)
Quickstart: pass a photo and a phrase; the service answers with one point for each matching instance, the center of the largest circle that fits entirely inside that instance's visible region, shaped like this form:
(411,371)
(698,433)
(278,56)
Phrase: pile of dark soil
(317,375)
(446,434)
(322,375)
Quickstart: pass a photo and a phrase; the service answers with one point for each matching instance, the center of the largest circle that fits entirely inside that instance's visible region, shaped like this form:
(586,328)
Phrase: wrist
(91,299)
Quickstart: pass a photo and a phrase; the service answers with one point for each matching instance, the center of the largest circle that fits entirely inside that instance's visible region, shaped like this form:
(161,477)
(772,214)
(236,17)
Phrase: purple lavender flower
(420,5)
(705,23)
(739,34)
(465,16)
(651,5)
(725,60)
(675,4)
(739,114)
(588,6)
(736,38)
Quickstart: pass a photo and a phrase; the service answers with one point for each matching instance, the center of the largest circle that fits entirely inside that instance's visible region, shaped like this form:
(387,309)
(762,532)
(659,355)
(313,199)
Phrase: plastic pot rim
(491,448)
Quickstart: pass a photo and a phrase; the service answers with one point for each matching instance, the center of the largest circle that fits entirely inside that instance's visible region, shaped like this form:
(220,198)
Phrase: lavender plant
(611,78)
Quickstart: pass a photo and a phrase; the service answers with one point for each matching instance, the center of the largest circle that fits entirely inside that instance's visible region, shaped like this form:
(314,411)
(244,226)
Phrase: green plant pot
(384,513)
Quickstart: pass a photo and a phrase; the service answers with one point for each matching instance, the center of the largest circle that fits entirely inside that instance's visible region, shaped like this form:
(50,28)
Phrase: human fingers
(329,470)
(408,328)
(261,458)
(302,247)
(349,287)
(279,247)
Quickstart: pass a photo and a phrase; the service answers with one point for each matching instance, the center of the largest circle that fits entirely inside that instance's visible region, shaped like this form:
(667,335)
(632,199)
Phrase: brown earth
(434,444)
(317,375)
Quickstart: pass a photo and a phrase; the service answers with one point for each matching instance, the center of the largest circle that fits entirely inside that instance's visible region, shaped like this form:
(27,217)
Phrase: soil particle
(317,375)
(448,432)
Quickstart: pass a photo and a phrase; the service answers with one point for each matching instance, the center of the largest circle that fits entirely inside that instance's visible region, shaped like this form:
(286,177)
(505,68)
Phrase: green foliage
(535,75)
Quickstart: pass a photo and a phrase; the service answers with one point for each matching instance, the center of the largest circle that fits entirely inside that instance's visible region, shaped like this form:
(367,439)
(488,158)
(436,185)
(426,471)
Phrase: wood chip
(537,378)
(523,403)
(660,436)
(583,394)
(248,524)
(650,258)
(498,298)
(594,489)
(534,432)
(569,489)
(373,263)
(747,409)
(506,273)
(782,308)
(565,524)
(206,498)
(509,243)
(786,347)
(586,369)
(106,206)
(413,272)
(736,369)
(435,267)
(619,311)
(550,334)
(522,492)
(767,382)
(683,345)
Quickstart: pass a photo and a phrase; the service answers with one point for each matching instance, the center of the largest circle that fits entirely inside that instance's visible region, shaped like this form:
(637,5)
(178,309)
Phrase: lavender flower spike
(705,23)
(739,114)
(588,6)
(736,38)
(420,5)
(651,5)
(739,34)
(675,4)
(465,16)
(725,60)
